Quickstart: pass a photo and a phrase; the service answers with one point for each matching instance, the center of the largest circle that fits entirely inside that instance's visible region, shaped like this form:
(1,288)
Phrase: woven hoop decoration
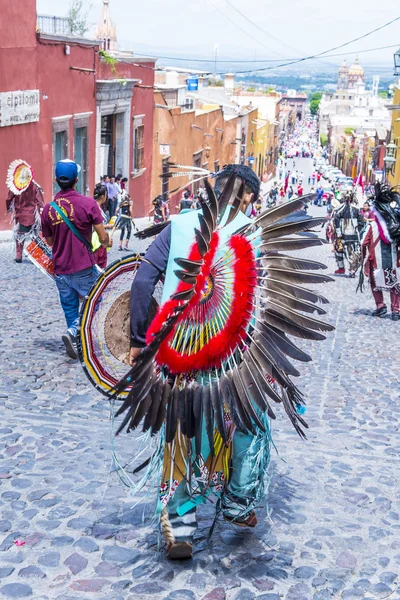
(104,335)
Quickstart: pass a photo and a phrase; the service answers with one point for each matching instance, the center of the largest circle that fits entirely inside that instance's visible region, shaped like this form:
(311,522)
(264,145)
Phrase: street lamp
(390,158)
(396,57)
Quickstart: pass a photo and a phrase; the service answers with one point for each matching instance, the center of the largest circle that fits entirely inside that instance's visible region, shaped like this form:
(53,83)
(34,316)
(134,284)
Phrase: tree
(323,139)
(251,89)
(78,17)
(383,94)
(315,102)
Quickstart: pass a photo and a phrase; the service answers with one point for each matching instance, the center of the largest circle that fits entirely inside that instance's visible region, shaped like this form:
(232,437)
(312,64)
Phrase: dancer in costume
(348,224)
(208,368)
(381,251)
(25,202)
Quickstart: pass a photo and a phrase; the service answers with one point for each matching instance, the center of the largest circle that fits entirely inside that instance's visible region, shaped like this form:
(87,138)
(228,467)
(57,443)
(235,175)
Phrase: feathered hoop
(19,176)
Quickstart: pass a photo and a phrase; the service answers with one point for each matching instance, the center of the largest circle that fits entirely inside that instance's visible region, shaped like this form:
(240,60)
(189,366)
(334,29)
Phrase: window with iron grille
(139,148)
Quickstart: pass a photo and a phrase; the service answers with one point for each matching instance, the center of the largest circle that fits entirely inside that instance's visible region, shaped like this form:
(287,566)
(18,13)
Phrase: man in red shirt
(74,264)
(299,190)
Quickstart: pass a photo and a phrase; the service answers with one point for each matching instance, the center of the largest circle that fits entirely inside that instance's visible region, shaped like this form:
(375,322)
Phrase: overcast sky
(302,27)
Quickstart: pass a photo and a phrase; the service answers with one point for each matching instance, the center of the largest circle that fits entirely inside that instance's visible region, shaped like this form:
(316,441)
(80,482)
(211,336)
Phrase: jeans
(71,288)
(113,206)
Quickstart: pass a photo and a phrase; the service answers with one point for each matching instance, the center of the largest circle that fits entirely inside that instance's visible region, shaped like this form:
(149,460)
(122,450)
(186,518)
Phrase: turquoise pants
(245,489)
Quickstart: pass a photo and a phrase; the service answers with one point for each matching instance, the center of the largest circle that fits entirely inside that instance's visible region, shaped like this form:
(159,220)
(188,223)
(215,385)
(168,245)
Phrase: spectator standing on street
(299,190)
(67,225)
(112,189)
(320,193)
(318,177)
(313,177)
(300,178)
(294,178)
(290,192)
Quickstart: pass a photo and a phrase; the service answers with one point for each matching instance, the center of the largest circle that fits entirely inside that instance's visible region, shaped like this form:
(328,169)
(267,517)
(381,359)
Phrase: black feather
(297,277)
(241,413)
(185,295)
(186,277)
(277,213)
(218,406)
(182,409)
(212,200)
(138,391)
(208,216)
(152,231)
(277,358)
(292,301)
(286,325)
(198,416)
(279,244)
(193,267)
(226,393)
(259,375)
(295,290)
(201,242)
(290,228)
(156,395)
(293,416)
(140,413)
(162,410)
(226,195)
(301,319)
(205,230)
(283,343)
(289,262)
(246,400)
(209,417)
(189,413)
(257,393)
(235,206)
(172,414)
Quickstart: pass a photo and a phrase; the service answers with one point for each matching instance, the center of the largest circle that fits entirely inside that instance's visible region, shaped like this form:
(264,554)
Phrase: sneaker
(126,249)
(249,521)
(179,550)
(395,316)
(69,343)
(18,260)
(119,249)
(352,274)
(380,312)
(340,272)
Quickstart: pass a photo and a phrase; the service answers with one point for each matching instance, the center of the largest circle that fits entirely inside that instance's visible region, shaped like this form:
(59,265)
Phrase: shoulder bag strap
(72,227)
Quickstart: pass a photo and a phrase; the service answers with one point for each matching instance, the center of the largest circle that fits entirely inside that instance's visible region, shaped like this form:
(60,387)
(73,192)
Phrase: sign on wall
(19,107)
(164,149)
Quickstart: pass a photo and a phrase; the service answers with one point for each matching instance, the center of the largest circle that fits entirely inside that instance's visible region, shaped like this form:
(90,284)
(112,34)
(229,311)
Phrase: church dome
(356,69)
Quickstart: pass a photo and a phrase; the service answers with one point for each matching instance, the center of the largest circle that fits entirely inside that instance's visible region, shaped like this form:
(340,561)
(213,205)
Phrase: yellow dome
(356,69)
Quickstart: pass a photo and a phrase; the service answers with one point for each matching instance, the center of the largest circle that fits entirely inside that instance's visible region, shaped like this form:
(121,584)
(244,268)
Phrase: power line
(240,28)
(325,52)
(261,29)
(264,60)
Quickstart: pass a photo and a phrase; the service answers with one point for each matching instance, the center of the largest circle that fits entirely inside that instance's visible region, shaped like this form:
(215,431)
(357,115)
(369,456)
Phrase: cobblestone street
(67,530)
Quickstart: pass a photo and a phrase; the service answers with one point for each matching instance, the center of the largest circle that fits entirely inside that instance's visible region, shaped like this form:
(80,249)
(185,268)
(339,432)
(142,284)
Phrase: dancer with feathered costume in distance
(348,224)
(208,370)
(25,202)
(381,250)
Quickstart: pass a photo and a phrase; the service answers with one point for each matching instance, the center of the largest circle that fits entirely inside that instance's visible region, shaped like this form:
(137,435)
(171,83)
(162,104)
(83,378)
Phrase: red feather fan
(222,304)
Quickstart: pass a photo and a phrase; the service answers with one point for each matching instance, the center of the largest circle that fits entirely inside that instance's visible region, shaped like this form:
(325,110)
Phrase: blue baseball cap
(67,170)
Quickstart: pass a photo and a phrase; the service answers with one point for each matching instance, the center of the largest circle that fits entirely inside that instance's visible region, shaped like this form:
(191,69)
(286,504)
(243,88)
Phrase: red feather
(223,343)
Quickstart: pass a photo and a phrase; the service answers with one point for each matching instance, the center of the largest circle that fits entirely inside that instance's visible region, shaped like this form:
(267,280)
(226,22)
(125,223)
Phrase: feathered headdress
(19,176)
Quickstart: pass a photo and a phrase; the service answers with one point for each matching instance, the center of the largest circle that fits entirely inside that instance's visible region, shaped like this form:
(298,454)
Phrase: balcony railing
(53,25)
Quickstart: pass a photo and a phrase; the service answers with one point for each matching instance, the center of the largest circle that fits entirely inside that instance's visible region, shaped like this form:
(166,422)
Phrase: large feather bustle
(295,276)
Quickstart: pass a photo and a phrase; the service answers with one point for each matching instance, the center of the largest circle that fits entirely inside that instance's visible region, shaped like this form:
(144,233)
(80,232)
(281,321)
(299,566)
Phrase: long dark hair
(100,190)
(384,197)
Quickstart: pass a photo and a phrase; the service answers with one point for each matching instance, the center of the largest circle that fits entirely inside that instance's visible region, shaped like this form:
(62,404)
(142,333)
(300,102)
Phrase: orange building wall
(174,128)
